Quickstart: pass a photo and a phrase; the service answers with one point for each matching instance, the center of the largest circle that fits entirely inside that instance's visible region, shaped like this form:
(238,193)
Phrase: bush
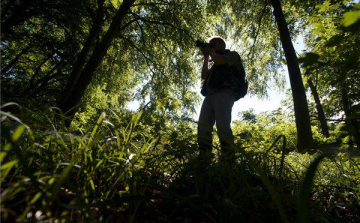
(127,172)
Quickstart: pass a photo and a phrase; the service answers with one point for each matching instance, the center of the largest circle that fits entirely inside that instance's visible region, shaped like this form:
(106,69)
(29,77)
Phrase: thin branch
(14,61)
(41,81)
(46,82)
(37,71)
(168,24)
(147,59)
(157,35)
(152,4)
(258,31)
(335,120)
(129,23)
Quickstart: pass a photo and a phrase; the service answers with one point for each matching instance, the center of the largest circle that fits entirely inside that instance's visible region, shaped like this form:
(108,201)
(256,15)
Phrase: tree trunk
(71,105)
(86,50)
(351,122)
(320,110)
(302,119)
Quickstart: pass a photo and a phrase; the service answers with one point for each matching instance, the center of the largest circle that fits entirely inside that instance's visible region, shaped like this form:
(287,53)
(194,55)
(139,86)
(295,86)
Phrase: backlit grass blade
(305,193)
(18,132)
(35,198)
(62,177)
(273,193)
(60,113)
(99,121)
(282,158)
(5,169)
(11,116)
(20,154)
(111,202)
(5,151)
(274,143)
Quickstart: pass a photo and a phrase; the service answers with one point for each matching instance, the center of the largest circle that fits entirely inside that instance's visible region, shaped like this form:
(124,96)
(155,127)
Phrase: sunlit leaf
(35,198)
(8,165)
(350,18)
(18,132)
(92,184)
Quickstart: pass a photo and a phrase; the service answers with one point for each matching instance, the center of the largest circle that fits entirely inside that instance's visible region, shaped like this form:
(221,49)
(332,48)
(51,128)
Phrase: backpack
(224,76)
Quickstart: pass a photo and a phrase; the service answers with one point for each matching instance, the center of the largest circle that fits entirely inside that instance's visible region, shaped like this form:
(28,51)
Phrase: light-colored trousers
(216,108)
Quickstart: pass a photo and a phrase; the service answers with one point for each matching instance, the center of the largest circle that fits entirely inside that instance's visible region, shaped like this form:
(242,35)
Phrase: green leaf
(5,169)
(138,117)
(323,7)
(19,131)
(334,41)
(63,176)
(99,163)
(351,17)
(309,59)
(35,198)
(92,184)
(9,164)
(318,28)
(5,151)
(101,118)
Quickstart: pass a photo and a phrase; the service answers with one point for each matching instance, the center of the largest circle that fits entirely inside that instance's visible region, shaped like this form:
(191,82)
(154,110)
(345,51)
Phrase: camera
(201,44)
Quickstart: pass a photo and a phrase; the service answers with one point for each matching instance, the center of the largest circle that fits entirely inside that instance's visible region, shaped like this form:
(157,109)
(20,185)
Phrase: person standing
(219,89)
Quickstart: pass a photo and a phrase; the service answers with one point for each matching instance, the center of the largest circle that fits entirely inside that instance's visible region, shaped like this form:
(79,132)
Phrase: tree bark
(86,50)
(71,105)
(302,119)
(351,122)
(320,110)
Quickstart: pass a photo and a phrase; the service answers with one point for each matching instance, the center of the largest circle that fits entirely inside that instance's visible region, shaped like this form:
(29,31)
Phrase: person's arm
(205,68)
(217,58)
(230,58)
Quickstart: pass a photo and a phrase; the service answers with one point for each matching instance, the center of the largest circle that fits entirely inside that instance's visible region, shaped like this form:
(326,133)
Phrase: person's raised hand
(205,51)
(212,52)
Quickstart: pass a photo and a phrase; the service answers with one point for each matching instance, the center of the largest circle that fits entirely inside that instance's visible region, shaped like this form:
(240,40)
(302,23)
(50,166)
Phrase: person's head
(217,43)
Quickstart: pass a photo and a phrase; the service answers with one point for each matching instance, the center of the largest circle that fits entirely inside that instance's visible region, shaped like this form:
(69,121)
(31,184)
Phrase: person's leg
(205,128)
(223,103)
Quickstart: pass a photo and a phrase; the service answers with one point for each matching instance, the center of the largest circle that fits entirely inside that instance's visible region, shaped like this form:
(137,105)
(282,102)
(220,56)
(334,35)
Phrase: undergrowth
(125,172)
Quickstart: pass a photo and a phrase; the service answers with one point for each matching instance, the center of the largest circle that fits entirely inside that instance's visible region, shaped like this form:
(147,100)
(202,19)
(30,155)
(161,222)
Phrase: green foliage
(260,134)
(39,46)
(123,169)
(142,167)
(151,58)
(333,62)
(352,16)
(336,62)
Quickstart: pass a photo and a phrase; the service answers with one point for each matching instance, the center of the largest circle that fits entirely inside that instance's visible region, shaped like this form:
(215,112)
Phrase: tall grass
(118,172)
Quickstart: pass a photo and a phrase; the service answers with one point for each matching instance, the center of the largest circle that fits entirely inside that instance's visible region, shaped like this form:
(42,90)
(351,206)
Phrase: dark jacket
(225,77)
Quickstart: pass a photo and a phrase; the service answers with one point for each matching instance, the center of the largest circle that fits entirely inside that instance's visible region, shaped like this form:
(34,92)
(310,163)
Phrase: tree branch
(14,61)
(258,31)
(147,59)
